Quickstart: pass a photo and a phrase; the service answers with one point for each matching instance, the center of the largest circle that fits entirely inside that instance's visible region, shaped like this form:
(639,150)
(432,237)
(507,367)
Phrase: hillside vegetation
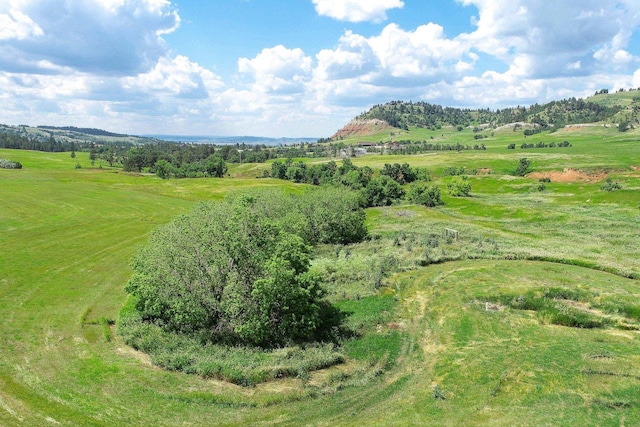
(400,116)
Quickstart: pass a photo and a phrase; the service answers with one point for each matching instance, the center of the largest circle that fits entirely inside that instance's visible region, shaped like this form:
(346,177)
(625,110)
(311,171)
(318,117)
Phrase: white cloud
(107,37)
(553,34)
(356,10)
(278,70)
(354,57)
(17,25)
(177,77)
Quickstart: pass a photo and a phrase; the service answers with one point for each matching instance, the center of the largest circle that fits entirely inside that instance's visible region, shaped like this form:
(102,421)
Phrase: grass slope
(68,236)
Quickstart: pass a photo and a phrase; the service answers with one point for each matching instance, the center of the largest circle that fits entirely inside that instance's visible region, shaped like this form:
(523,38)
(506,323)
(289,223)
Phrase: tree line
(381,190)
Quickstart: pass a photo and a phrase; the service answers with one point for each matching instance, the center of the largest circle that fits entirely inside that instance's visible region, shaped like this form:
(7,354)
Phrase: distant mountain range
(251,140)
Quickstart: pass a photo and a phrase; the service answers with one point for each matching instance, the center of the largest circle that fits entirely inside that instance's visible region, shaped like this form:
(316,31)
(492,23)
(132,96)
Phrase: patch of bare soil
(569,175)
(581,126)
(358,127)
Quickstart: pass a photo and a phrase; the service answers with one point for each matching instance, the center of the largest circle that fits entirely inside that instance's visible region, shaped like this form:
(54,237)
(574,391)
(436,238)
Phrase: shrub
(382,191)
(611,185)
(422,174)
(523,166)
(8,164)
(454,171)
(422,194)
(459,186)
(238,270)
(401,173)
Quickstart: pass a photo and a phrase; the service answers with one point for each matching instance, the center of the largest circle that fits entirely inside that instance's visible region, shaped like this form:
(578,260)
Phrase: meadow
(452,332)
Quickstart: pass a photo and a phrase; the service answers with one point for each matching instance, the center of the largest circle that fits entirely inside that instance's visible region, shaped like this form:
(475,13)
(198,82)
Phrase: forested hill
(55,139)
(87,131)
(617,108)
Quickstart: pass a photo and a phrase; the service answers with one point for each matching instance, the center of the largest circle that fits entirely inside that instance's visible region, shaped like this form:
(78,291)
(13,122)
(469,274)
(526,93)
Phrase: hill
(68,138)
(401,117)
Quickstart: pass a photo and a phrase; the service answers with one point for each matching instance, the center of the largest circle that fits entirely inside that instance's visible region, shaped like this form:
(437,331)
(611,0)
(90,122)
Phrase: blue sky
(299,67)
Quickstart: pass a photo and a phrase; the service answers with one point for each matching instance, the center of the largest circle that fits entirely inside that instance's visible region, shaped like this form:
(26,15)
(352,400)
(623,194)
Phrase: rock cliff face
(360,127)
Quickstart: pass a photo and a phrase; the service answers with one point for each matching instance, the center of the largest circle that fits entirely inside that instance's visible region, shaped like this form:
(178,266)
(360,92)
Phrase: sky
(299,68)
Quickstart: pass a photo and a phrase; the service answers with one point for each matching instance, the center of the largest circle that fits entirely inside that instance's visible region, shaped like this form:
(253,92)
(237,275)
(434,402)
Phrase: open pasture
(461,351)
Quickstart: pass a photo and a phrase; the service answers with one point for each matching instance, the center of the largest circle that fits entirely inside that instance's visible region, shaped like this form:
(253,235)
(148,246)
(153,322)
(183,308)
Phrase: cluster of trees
(418,147)
(402,114)
(212,166)
(541,144)
(346,174)
(8,164)
(382,190)
(18,141)
(237,271)
(184,159)
(169,159)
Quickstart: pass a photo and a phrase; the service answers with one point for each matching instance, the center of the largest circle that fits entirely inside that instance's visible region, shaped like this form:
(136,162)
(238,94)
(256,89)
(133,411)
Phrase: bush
(238,271)
(382,191)
(402,174)
(523,167)
(8,164)
(454,171)
(332,215)
(422,194)
(611,185)
(459,186)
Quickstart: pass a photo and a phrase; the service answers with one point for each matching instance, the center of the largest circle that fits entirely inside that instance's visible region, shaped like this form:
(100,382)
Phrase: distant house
(352,152)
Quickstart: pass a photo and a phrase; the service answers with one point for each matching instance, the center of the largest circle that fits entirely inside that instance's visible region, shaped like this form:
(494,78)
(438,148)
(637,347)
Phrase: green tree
(93,155)
(382,191)
(164,169)
(215,166)
(401,173)
(459,186)
(236,271)
(423,194)
(523,166)
(278,170)
(332,215)
(624,126)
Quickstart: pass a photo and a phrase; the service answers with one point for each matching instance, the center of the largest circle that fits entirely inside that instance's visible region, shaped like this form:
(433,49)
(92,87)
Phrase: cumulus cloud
(177,77)
(394,64)
(108,37)
(277,70)
(356,10)
(555,38)
(16,25)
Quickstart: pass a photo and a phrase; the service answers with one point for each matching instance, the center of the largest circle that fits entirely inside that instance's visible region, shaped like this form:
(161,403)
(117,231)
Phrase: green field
(457,352)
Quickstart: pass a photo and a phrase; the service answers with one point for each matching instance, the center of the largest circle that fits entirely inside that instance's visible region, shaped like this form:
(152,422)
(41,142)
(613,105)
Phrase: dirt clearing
(570,175)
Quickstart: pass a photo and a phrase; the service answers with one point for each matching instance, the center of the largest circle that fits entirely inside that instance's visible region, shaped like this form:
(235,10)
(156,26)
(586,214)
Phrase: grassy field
(457,352)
